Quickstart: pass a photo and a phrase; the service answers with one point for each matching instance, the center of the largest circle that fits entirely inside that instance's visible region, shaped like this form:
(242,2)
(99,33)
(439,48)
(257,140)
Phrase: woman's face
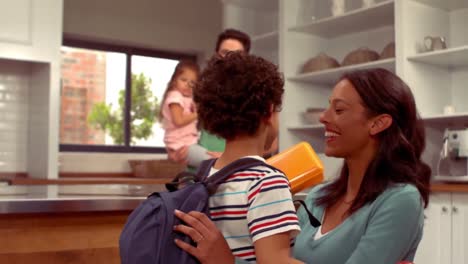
(347,124)
(185,82)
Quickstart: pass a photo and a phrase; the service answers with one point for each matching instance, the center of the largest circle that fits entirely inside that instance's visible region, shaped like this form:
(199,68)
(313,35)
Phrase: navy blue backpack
(148,236)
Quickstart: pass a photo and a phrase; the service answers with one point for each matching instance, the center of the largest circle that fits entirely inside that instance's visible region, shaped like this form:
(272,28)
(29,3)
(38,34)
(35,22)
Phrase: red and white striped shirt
(253,204)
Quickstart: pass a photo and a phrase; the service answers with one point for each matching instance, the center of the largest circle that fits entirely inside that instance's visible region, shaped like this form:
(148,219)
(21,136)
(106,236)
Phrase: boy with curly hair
(238,98)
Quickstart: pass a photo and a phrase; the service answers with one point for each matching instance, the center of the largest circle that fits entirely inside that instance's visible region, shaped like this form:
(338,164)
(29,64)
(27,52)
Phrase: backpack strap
(204,169)
(184,178)
(220,176)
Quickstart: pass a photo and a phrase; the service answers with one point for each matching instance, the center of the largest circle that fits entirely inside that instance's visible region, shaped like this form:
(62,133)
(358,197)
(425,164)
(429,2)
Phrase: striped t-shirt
(253,204)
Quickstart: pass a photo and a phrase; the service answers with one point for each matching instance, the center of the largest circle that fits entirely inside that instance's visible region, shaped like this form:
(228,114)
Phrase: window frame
(129,51)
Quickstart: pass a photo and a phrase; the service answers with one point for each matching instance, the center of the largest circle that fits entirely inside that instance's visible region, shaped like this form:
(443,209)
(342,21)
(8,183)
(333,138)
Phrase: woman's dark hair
(398,158)
(234,34)
(235,92)
(179,69)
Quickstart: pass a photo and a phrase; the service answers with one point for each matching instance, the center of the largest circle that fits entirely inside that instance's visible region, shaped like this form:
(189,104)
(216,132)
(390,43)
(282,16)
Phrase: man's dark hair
(234,34)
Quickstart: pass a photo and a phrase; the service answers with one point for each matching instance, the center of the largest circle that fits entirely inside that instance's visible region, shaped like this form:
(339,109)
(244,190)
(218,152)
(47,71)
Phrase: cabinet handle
(444,209)
(455,209)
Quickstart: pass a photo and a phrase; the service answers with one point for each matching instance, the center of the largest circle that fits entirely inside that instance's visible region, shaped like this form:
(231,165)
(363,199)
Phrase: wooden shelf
(362,19)
(266,41)
(454,57)
(449,5)
(317,127)
(329,77)
(260,5)
(456,119)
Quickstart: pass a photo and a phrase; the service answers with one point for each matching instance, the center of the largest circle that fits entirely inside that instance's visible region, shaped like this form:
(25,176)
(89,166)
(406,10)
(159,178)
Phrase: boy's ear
(269,117)
(380,123)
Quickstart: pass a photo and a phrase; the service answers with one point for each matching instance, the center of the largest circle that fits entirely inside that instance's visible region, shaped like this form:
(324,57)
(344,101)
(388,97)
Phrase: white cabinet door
(435,245)
(15,21)
(459,228)
(31,30)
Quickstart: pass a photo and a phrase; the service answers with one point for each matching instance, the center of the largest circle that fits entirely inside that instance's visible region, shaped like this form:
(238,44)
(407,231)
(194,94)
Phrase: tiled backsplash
(15,79)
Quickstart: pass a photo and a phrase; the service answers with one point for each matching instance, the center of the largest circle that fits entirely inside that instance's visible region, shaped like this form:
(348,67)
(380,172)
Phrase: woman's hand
(211,245)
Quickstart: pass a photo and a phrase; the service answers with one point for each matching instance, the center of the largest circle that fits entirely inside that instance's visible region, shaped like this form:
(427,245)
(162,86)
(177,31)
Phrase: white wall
(177,25)
(173,25)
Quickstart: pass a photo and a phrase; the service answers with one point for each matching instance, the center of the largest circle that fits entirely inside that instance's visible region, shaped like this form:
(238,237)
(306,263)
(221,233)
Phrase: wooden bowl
(319,63)
(361,55)
(388,51)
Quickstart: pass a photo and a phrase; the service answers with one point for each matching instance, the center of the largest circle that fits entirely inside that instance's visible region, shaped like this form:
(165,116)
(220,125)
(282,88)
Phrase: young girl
(178,114)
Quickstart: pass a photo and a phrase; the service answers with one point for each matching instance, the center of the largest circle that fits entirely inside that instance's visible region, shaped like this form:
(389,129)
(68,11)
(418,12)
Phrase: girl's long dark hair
(398,158)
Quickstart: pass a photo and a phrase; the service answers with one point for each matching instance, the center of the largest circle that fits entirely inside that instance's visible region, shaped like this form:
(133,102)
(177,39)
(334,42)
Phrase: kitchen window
(110,96)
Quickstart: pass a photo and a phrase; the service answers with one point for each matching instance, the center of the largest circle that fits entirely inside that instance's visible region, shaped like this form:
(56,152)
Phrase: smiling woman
(379,198)
(383,186)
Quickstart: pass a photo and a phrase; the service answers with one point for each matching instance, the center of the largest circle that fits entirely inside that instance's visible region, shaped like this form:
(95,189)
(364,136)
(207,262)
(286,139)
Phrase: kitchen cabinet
(15,25)
(30,29)
(308,28)
(438,78)
(445,236)
(459,228)
(56,238)
(30,41)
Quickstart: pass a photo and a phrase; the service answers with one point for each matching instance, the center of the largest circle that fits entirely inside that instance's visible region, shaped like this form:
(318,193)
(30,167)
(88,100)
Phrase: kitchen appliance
(453,161)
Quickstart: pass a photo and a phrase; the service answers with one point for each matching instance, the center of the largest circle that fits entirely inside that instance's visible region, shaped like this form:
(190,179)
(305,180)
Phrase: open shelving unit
(380,14)
(259,19)
(448,5)
(456,119)
(266,41)
(260,5)
(302,38)
(453,57)
(329,77)
(438,79)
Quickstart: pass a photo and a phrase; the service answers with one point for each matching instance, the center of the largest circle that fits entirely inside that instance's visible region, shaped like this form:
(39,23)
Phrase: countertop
(100,195)
(449,187)
(73,198)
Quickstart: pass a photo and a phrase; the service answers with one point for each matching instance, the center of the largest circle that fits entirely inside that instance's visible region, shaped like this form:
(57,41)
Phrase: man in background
(228,41)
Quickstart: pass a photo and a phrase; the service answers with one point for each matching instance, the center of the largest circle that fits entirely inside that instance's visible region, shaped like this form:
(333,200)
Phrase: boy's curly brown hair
(235,93)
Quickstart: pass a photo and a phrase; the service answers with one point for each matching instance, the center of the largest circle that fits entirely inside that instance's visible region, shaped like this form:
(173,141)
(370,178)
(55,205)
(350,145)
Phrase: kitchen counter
(16,199)
(103,195)
(84,180)
(449,187)
(59,224)
(84,221)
